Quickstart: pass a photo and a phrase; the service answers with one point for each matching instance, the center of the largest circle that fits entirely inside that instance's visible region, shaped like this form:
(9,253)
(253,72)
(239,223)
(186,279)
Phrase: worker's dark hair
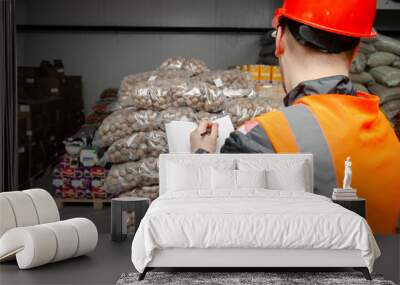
(318,39)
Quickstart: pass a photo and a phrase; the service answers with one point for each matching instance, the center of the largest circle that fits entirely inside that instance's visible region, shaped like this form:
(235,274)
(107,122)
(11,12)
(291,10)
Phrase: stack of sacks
(267,52)
(135,134)
(376,70)
(242,100)
(181,89)
(107,104)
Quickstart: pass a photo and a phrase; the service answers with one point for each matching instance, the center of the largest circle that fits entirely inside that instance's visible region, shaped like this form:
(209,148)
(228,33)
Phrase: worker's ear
(279,47)
(354,53)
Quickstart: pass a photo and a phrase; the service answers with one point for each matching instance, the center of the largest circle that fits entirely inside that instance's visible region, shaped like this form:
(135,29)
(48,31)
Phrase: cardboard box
(276,74)
(30,107)
(29,93)
(42,112)
(254,71)
(27,75)
(49,86)
(265,73)
(50,71)
(72,88)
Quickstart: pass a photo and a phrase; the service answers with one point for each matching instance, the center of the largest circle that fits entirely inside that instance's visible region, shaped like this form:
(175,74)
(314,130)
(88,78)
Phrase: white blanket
(250,219)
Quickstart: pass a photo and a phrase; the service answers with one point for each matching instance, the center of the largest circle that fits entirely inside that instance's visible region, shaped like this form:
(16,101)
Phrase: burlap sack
(367,48)
(362,78)
(391,109)
(385,94)
(360,87)
(386,75)
(359,63)
(267,50)
(387,44)
(381,58)
(396,64)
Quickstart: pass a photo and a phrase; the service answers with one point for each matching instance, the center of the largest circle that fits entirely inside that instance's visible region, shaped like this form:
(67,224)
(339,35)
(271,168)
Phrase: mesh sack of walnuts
(130,83)
(192,65)
(201,96)
(162,94)
(175,114)
(209,116)
(125,176)
(152,94)
(273,94)
(233,83)
(150,192)
(243,109)
(173,62)
(240,110)
(138,146)
(262,105)
(125,122)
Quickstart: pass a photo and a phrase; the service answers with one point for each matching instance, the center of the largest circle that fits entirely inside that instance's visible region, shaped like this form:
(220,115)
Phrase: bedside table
(356,205)
(121,209)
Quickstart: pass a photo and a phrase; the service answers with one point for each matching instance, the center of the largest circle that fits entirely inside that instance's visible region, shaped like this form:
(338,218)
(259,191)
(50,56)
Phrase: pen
(208,131)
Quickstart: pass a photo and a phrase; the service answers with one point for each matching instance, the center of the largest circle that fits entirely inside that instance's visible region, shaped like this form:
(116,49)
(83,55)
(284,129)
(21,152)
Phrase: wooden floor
(110,259)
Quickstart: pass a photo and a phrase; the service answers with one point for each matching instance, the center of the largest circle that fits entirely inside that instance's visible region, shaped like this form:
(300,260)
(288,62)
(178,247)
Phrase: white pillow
(226,179)
(223,179)
(282,174)
(188,174)
(251,179)
(288,178)
(183,178)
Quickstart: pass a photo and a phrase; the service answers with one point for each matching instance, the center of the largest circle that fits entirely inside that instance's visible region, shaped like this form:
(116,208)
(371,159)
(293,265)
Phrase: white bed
(248,227)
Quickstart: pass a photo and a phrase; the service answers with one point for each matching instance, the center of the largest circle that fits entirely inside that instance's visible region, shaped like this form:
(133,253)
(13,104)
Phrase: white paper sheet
(178,134)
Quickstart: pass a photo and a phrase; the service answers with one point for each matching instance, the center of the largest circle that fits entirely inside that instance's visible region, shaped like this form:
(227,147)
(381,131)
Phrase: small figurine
(347,174)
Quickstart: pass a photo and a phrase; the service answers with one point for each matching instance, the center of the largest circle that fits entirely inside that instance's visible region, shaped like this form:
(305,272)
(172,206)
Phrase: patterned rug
(243,278)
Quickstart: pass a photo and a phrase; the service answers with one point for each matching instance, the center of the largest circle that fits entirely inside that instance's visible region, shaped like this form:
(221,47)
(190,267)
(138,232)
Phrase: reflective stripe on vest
(310,139)
(258,135)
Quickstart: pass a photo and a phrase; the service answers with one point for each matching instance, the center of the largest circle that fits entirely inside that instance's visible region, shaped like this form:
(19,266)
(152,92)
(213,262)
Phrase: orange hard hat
(352,18)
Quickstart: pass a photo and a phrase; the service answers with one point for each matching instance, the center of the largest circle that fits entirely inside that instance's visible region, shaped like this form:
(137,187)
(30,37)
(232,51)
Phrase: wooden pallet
(97,203)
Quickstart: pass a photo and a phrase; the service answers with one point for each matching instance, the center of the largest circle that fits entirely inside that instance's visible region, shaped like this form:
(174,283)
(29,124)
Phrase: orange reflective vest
(333,127)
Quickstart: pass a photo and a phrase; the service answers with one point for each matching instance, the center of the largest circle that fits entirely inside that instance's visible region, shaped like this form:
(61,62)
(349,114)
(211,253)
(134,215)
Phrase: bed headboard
(211,159)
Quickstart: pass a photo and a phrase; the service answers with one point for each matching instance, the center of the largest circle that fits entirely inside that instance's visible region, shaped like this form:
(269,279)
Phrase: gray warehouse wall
(103,59)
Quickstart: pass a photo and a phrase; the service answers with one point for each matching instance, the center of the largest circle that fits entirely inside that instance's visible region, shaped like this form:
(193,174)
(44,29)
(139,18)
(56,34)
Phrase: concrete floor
(110,259)
(103,266)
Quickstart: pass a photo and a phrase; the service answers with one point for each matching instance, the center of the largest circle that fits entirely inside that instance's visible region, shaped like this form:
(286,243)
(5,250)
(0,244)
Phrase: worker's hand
(205,137)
